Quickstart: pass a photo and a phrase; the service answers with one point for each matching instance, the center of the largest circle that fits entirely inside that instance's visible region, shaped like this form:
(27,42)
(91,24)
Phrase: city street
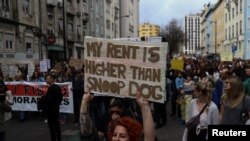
(34,129)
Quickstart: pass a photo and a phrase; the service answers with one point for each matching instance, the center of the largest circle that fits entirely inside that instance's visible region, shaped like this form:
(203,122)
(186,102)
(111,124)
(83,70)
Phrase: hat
(115,102)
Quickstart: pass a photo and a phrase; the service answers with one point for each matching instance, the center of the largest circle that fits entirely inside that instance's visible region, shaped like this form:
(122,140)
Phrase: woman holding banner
(125,128)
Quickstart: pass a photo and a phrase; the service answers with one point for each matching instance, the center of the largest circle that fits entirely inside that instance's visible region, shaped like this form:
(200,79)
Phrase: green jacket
(246,84)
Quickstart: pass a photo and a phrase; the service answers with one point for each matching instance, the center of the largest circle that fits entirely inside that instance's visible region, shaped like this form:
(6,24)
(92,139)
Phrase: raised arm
(86,127)
(148,123)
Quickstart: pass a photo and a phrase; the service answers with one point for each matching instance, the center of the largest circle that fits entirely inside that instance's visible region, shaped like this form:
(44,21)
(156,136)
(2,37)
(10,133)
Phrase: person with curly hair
(124,129)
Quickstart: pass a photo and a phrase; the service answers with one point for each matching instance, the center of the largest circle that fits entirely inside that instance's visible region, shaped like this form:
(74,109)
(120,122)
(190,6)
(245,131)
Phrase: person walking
(4,107)
(52,103)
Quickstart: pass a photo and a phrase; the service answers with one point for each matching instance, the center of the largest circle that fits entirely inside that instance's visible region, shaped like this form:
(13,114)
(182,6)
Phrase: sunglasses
(115,112)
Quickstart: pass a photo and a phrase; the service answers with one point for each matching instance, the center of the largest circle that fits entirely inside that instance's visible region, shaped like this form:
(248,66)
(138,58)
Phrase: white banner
(26,94)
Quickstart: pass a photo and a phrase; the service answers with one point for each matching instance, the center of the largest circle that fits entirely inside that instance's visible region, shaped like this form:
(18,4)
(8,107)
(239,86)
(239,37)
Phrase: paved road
(33,129)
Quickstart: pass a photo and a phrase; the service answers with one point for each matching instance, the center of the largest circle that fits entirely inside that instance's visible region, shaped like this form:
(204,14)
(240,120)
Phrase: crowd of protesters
(223,88)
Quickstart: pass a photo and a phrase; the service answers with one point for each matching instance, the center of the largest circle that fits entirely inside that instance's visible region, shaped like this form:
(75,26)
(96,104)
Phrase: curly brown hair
(134,128)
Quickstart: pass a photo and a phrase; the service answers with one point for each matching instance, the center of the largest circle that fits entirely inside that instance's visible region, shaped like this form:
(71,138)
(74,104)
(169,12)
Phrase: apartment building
(235,17)
(192,33)
(19,31)
(218,27)
(129,27)
(32,30)
(149,30)
(113,18)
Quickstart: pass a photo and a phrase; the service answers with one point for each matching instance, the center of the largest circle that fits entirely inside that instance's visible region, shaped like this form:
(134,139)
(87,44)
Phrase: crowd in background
(221,86)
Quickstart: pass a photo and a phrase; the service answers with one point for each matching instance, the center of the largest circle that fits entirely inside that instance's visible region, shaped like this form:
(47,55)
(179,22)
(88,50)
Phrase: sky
(160,12)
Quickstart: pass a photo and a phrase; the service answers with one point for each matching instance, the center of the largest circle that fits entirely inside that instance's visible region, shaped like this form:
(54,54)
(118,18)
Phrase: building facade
(113,18)
(129,26)
(149,30)
(235,30)
(209,34)
(70,21)
(19,31)
(218,30)
(202,50)
(244,38)
(33,30)
(192,33)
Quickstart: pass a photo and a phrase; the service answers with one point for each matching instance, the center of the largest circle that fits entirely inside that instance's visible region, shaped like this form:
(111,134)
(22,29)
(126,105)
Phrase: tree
(173,34)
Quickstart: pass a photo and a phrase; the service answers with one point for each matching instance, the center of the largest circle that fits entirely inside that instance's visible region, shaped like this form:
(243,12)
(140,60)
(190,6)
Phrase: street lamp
(215,40)
(116,18)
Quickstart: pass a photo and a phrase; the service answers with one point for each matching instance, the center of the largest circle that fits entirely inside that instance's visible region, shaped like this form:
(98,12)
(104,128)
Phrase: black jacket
(53,99)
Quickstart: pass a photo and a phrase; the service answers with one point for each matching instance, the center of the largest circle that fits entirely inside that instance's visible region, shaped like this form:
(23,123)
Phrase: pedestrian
(208,116)
(234,102)
(4,107)
(52,103)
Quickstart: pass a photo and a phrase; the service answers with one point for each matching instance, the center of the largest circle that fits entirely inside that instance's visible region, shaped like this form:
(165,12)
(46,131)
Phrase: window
(240,27)
(229,32)
(29,48)
(60,25)
(9,44)
(232,30)
(70,24)
(5,5)
(50,13)
(70,27)
(232,12)
(248,22)
(240,6)
(108,7)
(26,7)
(9,41)
(237,26)
(108,24)
(1,41)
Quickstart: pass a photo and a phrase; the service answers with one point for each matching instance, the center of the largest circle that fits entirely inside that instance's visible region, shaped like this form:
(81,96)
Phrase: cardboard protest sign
(177,64)
(121,68)
(48,63)
(26,95)
(5,69)
(227,57)
(58,67)
(77,63)
(31,69)
(43,66)
(13,71)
